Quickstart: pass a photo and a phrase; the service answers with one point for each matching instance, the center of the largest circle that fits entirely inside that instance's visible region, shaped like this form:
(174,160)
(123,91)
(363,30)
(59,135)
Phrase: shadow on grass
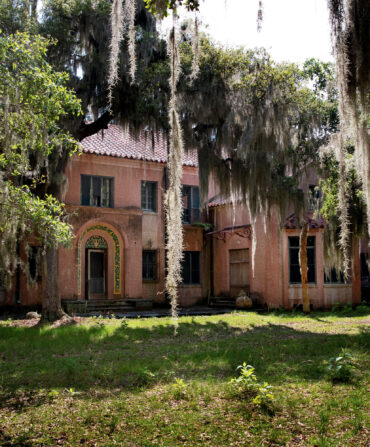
(115,356)
(340,312)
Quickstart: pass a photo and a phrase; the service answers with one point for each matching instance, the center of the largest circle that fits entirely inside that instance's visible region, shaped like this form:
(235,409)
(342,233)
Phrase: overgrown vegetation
(111,383)
(33,99)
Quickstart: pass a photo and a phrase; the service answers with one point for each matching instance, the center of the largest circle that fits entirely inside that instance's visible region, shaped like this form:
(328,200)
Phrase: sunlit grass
(115,382)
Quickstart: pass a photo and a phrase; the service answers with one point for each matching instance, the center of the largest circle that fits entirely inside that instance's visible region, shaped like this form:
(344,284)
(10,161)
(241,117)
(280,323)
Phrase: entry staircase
(106,306)
(222,301)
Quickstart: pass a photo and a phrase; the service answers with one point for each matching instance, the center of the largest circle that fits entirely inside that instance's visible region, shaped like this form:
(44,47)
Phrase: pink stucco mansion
(114,196)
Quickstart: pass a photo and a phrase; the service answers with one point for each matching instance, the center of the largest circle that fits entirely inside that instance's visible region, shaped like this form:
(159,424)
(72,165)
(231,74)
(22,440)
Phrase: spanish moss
(173,198)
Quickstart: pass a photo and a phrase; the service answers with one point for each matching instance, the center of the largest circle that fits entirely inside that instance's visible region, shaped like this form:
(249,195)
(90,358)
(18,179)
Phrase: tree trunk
(51,306)
(303,264)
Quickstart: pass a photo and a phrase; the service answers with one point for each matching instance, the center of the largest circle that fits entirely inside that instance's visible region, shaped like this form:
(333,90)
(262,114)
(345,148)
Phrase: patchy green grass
(106,383)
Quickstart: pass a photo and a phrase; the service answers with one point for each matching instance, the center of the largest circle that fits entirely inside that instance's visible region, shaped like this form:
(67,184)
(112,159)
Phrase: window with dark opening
(191,267)
(149,196)
(314,197)
(334,277)
(149,265)
(190,199)
(34,263)
(96,191)
(294,269)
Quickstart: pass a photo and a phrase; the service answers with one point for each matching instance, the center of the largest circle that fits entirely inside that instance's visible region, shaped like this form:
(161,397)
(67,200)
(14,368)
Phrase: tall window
(96,191)
(191,267)
(334,277)
(190,197)
(314,197)
(149,265)
(149,196)
(294,269)
(34,263)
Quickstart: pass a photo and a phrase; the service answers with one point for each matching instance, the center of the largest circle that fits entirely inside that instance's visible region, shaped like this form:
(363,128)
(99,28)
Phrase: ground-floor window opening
(294,268)
(191,267)
(149,265)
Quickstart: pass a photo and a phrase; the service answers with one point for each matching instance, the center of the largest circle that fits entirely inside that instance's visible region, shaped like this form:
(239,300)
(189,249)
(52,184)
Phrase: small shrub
(362,309)
(246,385)
(145,376)
(124,323)
(340,368)
(264,396)
(179,389)
(71,392)
(53,393)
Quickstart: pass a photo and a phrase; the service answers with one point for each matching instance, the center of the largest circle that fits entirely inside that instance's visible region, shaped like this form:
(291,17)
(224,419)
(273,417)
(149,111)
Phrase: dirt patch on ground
(35,321)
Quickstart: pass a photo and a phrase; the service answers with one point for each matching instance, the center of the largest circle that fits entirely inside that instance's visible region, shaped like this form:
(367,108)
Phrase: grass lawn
(117,382)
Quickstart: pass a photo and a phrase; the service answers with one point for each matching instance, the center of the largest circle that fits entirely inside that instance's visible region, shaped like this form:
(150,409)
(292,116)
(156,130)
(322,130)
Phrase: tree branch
(85,130)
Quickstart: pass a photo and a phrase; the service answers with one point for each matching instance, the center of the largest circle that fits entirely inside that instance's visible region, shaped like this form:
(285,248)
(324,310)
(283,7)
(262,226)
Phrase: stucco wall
(269,276)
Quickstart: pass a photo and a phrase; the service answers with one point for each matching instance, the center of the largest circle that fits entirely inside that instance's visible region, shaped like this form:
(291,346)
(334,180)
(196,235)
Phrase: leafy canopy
(33,99)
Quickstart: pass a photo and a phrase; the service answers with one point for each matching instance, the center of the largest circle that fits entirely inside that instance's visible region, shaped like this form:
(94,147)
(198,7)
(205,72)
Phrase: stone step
(106,306)
(112,310)
(222,302)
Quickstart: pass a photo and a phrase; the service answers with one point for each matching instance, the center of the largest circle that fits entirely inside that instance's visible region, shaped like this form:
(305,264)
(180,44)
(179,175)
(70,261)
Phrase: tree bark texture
(303,265)
(51,306)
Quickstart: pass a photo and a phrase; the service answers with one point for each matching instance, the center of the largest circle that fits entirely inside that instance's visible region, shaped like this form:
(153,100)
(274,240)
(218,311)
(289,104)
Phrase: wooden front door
(96,274)
(239,271)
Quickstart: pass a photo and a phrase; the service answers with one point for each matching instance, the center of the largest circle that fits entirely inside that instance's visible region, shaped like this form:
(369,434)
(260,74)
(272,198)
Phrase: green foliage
(46,216)
(34,98)
(246,382)
(340,368)
(246,385)
(106,360)
(320,73)
(124,323)
(145,377)
(264,395)
(330,207)
(161,8)
(179,389)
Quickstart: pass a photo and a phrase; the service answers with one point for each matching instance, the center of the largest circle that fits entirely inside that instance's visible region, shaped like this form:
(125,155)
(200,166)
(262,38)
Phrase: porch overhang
(239,230)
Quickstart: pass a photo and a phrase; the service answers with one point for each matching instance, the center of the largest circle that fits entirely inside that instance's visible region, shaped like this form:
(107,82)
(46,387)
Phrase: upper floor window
(191,267)
(96,191)
(294,268)
(149,196)
(314,197)
(190,197)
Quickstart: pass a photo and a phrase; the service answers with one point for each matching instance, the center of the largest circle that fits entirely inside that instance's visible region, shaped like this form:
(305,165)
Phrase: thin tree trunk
(303,264)
(51,306)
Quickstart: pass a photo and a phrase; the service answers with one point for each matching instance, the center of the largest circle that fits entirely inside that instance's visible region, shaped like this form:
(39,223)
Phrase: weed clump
(246,385)
(340,368)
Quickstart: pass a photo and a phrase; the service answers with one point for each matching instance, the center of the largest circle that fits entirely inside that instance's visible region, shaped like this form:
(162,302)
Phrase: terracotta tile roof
(218,201)
(114,142)
(291,223)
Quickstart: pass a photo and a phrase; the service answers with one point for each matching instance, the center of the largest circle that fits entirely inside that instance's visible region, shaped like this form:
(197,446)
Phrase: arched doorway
(111,243)
(96,268)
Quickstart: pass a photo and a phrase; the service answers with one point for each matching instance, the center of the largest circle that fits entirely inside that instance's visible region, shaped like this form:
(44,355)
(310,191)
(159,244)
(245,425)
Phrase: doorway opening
(96,276)
(239,271)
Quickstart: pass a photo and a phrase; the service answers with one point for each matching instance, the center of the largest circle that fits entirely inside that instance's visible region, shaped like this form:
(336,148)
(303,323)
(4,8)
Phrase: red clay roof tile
(114,142)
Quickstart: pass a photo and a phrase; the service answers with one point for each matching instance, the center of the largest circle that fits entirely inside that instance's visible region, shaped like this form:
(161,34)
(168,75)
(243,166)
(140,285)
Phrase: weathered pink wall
(270,275)
(139,230)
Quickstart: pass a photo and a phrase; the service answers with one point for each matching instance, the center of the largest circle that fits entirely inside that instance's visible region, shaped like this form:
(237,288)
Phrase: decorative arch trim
(96,242)
(117,255)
